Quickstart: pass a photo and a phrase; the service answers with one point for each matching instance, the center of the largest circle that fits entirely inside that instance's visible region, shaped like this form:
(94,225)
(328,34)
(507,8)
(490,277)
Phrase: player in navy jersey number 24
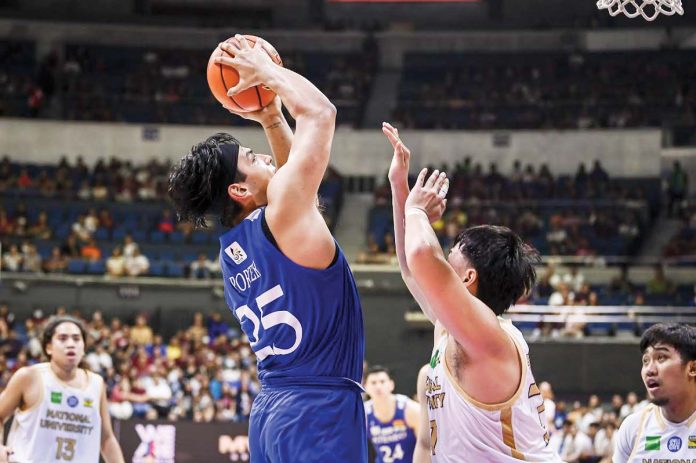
(285,278)
(392,419)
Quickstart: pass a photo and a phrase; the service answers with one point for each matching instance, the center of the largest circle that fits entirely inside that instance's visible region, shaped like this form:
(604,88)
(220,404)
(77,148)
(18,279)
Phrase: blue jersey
(301,322)
(394,441)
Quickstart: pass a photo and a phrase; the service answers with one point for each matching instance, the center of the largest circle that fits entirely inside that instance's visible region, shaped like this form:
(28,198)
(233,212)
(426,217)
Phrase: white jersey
(465,430)
(65,425)
(647,437)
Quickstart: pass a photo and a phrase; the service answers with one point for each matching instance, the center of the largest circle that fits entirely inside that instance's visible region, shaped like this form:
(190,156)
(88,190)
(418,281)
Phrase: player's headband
(229,153)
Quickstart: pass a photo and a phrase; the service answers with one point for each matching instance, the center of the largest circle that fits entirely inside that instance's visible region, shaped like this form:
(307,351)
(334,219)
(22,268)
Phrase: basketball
(221,78)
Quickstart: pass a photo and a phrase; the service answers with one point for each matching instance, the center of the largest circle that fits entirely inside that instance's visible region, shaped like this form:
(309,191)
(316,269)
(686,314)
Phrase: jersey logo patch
(652,443)
(73,401)
(235,252)
(674,444)
(89,402)
(56,397)
(692,442)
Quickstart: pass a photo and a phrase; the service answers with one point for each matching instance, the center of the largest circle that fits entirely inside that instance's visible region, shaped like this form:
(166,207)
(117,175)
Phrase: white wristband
(416,211)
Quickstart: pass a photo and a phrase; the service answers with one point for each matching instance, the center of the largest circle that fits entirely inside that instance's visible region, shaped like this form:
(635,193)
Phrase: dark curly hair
(503,262)
(196,183)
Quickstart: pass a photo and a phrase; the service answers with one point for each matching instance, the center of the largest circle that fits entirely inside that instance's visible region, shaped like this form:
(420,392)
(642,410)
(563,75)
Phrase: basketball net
(648,9)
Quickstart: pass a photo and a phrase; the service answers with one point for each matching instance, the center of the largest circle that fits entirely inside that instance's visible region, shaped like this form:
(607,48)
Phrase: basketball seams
(222,76)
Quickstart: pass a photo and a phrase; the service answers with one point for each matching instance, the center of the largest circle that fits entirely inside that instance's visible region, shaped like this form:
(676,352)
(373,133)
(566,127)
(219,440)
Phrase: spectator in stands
(576,321)
(106,221)
(12,259)
(659,284)
(81,229)
(631,405)
(91,251)
(570,443)
(6,223)
(562,296)
(31,260)
(56,262)
(71,247)
(116,263)
(166,222)
(217,326)
(201,267)
(677,189)
(158,392)
(197,331)
(141,334)
(41,229)
(621,285)
(129,245)
(549,405)
(604,443)
(137,264)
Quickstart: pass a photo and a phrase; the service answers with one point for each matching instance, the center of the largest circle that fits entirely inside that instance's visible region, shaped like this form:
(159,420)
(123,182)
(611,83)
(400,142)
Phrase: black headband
(229,153)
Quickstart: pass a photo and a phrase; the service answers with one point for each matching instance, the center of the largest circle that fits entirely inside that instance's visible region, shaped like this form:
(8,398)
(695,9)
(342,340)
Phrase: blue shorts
(307,424)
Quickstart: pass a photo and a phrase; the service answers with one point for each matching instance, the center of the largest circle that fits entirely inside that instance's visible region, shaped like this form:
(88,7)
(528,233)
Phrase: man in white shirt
(665,430)
(571,444)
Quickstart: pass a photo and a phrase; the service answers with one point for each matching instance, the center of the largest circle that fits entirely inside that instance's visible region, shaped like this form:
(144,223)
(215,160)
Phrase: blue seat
(176,237)
(96,267)
(157,268)
(102,234)
(199,237)
(157,237)
(175,270)
(76,266)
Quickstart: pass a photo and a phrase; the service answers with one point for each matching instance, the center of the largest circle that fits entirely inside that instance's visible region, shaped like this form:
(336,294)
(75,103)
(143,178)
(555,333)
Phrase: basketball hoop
(648,9)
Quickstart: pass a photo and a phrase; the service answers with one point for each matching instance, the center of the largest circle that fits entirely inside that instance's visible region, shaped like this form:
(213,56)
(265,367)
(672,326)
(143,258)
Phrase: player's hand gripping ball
(222,77)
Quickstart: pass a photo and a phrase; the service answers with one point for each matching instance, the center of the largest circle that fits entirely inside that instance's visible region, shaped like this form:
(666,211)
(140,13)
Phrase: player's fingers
(259,43)
(421,177)
(243,43)
(226,60)
(431,180)
(440,182)
(230,47)
(391,137)
(442,192)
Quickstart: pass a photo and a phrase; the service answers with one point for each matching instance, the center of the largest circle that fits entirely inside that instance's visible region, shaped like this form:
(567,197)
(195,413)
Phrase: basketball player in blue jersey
(392,419)
(285,278)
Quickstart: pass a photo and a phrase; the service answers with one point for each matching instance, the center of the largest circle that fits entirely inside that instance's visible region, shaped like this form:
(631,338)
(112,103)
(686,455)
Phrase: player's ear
(239,192)
(691,369)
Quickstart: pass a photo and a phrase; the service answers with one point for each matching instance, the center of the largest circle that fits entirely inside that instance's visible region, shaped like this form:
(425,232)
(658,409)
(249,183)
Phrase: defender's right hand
(398,170)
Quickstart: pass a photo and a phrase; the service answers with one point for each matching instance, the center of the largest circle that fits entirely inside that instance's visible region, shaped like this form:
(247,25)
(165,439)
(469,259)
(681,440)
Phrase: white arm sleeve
(625,438)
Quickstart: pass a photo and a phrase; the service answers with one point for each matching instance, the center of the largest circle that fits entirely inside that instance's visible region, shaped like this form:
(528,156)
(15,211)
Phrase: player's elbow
(418,258)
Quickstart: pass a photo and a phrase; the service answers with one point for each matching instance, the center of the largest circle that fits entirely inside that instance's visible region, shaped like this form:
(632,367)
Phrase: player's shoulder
(368,406)
(631,423)
(28,374)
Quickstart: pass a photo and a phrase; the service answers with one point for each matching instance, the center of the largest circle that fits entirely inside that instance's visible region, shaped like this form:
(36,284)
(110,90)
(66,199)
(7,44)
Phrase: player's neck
(385,407)
(679,410)
(64,373)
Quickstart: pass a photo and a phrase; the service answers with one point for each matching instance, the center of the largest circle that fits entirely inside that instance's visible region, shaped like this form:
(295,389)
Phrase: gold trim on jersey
(509,434)
(492,407)
(691,420)
(641,428)
(665,423)
(660,419)
(63,383)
